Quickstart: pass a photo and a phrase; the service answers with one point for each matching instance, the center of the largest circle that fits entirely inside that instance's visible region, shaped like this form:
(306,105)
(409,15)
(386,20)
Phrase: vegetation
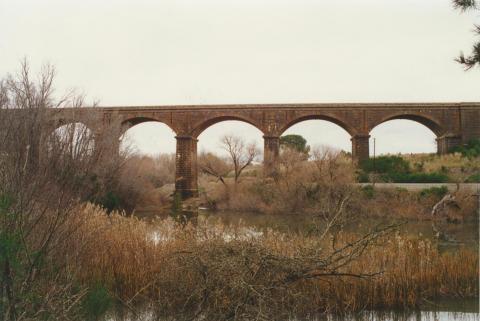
(474,59)
(320,186)
(63,258)
(470,150)
(439,192)
(397,170)
(227,273)
(44,175)
(145,182)
(295,142)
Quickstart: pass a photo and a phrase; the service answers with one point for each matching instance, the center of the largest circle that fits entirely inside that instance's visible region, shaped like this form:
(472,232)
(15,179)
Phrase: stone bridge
(452,123)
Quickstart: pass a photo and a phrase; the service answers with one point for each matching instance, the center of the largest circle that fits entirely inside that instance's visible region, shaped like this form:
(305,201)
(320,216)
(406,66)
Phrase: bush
(438,192)
(470,150)
(110,201)
(385,164)
(368,191)
(395,169)
(96,303)
(475,178)
(416,177)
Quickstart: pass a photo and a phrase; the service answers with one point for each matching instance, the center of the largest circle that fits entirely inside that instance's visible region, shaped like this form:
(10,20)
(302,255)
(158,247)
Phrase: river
(457,235)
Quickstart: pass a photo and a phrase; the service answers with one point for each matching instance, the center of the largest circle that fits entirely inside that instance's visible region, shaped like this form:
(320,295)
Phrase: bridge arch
(199,128)
(77,135)
(146,136)
(389,138)
(428,121)
(320,133)
(54,125)
(133,121)
(347,127)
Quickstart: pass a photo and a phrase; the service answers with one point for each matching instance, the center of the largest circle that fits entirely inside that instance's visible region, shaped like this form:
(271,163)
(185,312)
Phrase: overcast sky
(249,51)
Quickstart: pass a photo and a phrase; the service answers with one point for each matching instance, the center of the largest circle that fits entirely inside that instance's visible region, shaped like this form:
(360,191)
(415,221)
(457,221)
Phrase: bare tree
(44,176)
(241,154)
(215,166)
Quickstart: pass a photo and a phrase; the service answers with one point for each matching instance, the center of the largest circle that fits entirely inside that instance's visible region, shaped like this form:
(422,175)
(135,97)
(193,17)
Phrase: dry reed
(237,273)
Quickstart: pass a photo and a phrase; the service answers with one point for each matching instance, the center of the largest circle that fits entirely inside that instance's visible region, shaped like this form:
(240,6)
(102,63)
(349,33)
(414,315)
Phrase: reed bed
(238,273)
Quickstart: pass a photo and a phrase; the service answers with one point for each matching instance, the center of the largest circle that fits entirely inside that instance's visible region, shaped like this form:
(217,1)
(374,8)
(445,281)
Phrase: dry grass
(434,163)
(233,273)
(457,167)
(402,204)
(142,181)
(254,194)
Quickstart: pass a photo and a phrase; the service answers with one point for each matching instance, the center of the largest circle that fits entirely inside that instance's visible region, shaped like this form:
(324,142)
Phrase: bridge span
(452,123)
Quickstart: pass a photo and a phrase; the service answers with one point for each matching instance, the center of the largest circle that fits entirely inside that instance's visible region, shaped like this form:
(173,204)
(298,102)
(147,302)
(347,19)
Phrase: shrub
(228,273)
(110,201)
(434,191)
(469,150)
(475,178)
(96,303)
(416,177)
(385,164)
(395,169)
(368,191)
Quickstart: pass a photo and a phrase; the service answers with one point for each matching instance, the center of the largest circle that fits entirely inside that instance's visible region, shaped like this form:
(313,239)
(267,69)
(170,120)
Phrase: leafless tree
(44,175)
(215,166)
(241,154)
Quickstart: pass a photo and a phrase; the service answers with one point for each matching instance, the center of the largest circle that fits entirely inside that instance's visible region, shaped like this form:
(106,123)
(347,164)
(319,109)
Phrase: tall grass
(222,272)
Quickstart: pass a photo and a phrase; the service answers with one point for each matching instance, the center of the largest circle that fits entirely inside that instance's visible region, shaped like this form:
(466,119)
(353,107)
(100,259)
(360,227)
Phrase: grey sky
(249,51)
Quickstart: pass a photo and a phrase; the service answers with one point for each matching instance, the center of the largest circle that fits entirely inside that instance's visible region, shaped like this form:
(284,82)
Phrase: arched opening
(402,136)
(73,139)
(321,134)
(221,119)
(147,178)
(148,138)
(228,152)
(210,140)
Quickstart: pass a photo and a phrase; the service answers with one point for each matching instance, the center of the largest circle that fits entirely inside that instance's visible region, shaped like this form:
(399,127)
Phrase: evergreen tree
(474,58)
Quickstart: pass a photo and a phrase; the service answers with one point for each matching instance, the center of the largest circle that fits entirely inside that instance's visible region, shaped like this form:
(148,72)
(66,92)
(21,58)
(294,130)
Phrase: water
(455,234)
(462,234)
(438,315)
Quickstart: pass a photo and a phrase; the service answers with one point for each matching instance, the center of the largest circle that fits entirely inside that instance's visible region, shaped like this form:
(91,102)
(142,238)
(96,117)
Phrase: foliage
(416,177)
(470,150)
(385,165)
(475,178)
(474,58)
(438,192)
(44,174)
(141,179)
(397,170)
(368,191)
(222,272)
(458,168)
(96,302)
(109,201)
(295,142)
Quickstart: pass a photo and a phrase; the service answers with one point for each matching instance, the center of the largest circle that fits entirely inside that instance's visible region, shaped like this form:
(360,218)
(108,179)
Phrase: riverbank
(223,272)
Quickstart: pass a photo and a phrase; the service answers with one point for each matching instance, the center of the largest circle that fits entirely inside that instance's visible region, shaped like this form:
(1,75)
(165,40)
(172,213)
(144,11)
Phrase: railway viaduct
(452,123)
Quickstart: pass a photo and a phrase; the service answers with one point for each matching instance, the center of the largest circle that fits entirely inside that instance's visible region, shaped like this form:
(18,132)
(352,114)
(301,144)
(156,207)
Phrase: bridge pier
(186,166)
(271,150)
(446,142)
(360,147)
(106,146)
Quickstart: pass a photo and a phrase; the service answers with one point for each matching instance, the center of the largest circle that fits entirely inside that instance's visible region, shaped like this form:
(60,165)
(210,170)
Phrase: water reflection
(365,316)
(413,316)
(464,234)
(253,225)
